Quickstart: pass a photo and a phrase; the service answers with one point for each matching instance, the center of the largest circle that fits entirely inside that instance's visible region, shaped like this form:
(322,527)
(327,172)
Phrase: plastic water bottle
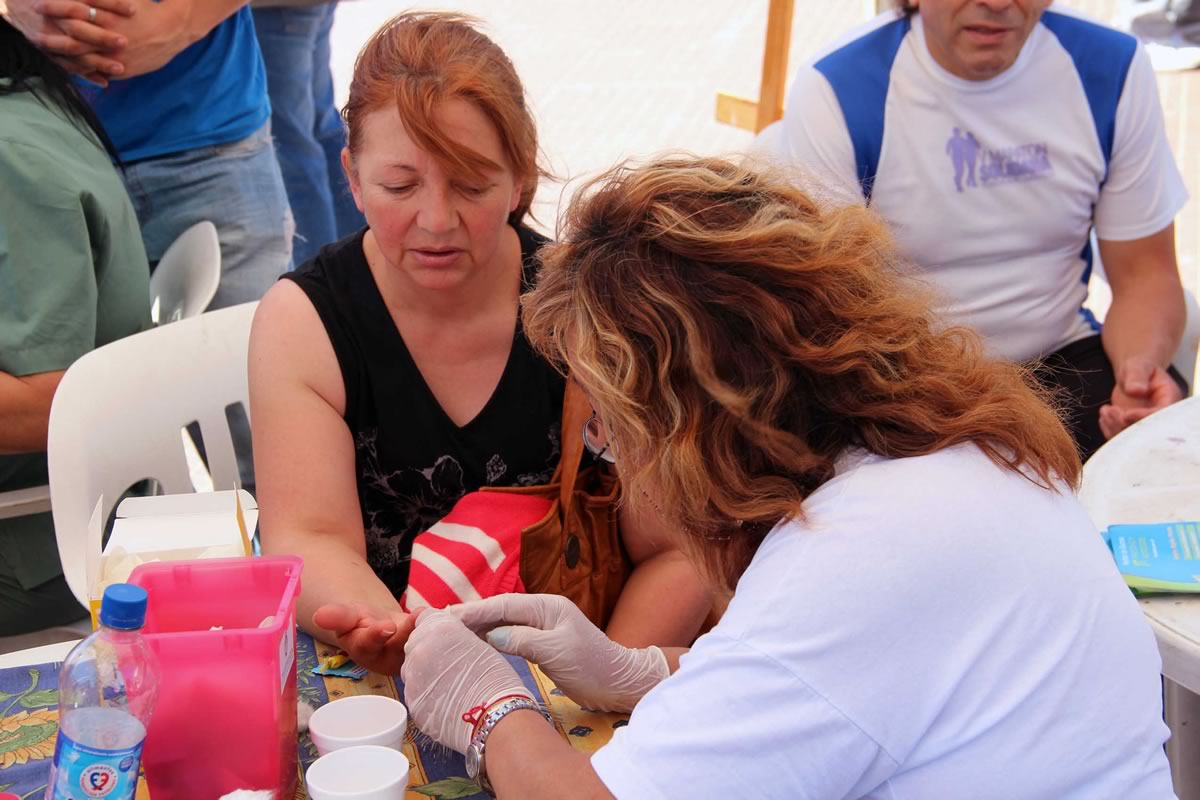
(106,693)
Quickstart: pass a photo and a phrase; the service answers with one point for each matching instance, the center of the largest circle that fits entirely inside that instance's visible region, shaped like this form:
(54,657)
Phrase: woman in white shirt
(919,606)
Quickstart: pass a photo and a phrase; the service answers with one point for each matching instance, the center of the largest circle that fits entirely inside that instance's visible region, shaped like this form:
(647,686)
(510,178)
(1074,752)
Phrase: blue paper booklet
(1160,557)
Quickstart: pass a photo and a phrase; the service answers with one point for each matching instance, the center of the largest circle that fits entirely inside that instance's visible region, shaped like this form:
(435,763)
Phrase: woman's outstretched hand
(552,632)
(373,637)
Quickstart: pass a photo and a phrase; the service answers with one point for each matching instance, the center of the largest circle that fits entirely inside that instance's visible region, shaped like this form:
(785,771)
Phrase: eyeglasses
(595,440)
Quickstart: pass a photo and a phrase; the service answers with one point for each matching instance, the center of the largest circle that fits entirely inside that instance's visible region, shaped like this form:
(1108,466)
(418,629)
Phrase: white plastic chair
(187,276)
(1185,357)
(119,414)
(182,286)
(22,502)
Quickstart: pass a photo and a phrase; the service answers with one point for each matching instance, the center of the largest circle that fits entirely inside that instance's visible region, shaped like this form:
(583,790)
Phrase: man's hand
(374,638)
(1142,388)
(66,31)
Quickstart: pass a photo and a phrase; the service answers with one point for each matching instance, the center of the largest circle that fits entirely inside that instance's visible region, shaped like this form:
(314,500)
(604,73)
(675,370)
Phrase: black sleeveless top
(413,462)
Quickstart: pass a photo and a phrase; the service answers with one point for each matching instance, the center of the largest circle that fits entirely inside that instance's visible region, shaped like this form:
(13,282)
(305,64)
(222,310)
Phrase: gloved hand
(448,673)
(552,632)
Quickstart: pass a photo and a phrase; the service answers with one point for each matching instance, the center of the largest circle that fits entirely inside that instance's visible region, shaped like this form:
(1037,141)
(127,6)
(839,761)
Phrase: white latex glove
(448,673)
(552,632)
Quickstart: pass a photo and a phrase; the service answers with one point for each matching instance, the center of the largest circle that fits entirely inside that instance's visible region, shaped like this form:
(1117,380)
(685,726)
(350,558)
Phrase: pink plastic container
(226,712)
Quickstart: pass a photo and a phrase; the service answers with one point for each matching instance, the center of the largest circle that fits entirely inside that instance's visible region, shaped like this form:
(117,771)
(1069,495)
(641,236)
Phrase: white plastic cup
(368,772)
(359,720)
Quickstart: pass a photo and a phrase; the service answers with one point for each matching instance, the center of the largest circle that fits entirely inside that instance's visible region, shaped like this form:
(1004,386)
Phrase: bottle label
(82,772)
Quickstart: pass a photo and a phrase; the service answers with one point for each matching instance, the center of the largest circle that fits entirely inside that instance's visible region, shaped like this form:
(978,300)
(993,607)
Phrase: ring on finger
(91,13)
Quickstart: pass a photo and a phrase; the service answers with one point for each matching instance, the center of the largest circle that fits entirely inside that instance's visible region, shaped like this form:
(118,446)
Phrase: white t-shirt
(937,628)
(993,186)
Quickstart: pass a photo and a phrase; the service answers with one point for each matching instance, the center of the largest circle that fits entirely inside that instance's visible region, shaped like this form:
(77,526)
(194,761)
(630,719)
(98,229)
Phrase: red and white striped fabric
(473,552)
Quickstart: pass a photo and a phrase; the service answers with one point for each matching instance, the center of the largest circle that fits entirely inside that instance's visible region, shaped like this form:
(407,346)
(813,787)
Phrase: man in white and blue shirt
(994,136)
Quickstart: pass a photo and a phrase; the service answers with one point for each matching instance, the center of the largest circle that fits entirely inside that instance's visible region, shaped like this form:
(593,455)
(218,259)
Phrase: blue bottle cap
(123,607)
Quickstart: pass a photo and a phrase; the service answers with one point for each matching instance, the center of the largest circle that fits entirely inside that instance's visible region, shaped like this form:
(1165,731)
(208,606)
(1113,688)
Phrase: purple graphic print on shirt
(994,165)
(963,150)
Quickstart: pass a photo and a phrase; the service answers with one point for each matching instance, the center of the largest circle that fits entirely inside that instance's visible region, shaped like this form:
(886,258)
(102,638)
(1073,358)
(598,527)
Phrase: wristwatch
(475,768)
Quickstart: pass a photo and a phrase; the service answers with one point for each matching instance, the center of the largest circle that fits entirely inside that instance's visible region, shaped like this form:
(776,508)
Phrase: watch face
(472,762)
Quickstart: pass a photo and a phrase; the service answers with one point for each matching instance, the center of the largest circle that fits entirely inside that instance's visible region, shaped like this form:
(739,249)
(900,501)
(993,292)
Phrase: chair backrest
(119,413)
(187,276)
(22,502)
(1185,357)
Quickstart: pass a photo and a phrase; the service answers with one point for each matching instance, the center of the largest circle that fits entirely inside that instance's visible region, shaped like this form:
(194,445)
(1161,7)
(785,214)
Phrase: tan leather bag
(575,550)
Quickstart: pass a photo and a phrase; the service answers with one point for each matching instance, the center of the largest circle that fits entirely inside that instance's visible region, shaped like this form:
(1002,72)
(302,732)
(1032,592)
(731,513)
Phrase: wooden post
(744,113)
(775,63)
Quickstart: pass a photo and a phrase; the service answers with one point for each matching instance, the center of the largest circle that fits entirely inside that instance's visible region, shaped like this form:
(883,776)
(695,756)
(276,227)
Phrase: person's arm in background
(127,37)
(1143,326)
(1134,222)
(48,300)
(664,601)
(307,495)
(25,410)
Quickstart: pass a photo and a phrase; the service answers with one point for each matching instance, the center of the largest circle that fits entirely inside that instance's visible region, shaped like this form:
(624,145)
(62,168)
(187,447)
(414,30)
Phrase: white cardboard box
(176,527)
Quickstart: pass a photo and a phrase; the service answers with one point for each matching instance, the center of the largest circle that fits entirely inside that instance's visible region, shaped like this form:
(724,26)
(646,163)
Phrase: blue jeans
(236,186)
(309,135)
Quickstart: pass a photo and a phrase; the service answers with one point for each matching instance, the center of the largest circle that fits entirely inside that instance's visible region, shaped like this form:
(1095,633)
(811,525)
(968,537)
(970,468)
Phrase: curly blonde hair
(736,337)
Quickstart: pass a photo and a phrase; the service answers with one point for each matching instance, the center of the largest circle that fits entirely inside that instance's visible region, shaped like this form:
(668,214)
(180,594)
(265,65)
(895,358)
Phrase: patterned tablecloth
(29,725)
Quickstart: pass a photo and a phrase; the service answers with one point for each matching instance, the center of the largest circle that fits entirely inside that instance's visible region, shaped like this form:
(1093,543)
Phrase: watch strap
(489,721)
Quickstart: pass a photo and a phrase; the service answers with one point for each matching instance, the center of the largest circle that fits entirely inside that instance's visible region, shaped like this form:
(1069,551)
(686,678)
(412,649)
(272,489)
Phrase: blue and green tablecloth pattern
(29,726)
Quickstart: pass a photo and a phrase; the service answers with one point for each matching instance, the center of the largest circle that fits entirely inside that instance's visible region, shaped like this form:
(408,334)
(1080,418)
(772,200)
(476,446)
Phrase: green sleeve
(48,291)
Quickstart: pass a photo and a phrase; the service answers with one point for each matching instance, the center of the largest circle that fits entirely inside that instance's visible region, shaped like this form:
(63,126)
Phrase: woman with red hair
(390,375)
